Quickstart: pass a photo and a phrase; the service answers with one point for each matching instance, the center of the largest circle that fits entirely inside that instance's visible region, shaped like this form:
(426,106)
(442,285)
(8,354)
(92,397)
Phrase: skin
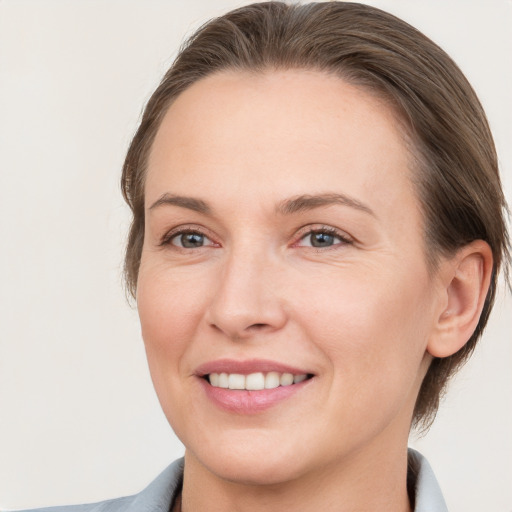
(360,314)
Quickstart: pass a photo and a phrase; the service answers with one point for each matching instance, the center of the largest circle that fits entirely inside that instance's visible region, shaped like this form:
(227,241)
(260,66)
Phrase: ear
(465,281)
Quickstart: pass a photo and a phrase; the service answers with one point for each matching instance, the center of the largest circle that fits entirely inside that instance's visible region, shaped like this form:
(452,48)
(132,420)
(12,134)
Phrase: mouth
(253,386)
(255,381)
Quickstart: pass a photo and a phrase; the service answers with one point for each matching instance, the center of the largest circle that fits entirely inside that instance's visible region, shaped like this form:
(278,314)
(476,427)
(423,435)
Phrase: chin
(258,469)
(253,456)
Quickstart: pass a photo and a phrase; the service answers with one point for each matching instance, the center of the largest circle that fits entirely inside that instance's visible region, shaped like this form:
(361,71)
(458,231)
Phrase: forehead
(300,131)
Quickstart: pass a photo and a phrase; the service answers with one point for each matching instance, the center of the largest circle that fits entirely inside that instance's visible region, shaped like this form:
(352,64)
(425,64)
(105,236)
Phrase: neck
(363,482)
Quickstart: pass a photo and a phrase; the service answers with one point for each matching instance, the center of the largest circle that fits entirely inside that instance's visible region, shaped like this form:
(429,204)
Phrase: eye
(189,240)
(322,238)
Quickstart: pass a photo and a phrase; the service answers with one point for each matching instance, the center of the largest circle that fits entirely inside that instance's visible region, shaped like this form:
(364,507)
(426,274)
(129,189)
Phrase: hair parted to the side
(456,174)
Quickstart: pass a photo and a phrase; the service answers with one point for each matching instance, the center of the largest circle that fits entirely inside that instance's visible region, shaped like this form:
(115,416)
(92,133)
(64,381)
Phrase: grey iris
(321,239)
(192,240)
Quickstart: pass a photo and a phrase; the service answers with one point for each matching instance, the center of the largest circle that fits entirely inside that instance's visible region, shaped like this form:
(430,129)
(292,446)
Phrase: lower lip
(250,402)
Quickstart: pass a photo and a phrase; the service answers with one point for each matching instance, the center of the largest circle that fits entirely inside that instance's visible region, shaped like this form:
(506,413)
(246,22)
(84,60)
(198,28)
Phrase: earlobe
(466,277)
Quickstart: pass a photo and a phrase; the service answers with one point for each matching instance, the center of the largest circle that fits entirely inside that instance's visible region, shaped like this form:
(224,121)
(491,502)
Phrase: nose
(247,302)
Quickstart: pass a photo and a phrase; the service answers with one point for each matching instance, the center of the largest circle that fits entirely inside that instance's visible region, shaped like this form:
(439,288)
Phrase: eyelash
(302,235)
(184,230)
(325,230)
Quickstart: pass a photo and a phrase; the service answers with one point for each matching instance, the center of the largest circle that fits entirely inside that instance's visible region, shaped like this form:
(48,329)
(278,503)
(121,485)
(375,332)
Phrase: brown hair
(456,174)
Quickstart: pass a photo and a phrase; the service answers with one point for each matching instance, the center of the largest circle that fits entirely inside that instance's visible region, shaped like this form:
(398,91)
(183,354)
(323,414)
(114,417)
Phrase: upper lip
(247,367)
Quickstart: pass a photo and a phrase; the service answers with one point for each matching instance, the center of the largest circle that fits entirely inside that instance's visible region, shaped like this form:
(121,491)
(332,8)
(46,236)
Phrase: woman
(317,233)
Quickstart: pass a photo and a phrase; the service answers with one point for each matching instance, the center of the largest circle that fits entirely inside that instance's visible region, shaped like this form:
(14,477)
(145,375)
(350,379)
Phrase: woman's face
(283,236)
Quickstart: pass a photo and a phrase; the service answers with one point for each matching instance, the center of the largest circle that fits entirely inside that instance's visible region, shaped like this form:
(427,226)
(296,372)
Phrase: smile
(254,381)
(251,386)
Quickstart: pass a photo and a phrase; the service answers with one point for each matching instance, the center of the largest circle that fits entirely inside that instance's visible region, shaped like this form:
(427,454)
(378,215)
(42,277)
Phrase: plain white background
(79,420)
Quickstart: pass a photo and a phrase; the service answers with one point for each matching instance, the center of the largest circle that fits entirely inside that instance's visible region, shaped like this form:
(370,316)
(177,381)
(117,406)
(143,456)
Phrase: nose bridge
(246,299)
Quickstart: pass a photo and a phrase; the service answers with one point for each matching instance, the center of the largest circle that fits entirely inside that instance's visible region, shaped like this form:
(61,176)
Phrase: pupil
(191,240)
(321,240)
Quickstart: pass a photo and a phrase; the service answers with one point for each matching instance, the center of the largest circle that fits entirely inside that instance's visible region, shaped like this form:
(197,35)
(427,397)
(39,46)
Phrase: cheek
(366,304)
(170,309)
(169,305)
(373,331)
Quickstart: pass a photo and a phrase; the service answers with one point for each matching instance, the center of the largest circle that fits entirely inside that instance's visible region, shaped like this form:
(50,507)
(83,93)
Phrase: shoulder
(158,496)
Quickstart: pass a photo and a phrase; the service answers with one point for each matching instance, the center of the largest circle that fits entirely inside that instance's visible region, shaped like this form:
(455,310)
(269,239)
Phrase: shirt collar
(428,495)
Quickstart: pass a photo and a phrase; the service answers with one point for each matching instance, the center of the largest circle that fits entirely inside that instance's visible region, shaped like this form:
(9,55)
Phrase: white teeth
(254,381)
(214,379)
(272,380)
(223,380)
(286,379)
(236,381)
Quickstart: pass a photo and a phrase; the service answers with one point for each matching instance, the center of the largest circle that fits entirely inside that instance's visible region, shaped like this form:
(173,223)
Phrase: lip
(247,402)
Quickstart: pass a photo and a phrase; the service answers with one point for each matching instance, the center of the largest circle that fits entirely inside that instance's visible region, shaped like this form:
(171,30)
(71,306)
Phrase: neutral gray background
(78,417)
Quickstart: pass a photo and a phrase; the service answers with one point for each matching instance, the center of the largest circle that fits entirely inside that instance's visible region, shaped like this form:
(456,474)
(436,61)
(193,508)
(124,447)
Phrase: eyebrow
(287,207)
(310,202)
(197,205)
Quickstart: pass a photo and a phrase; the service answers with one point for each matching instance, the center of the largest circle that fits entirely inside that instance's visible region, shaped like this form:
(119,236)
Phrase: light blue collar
(429,497)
